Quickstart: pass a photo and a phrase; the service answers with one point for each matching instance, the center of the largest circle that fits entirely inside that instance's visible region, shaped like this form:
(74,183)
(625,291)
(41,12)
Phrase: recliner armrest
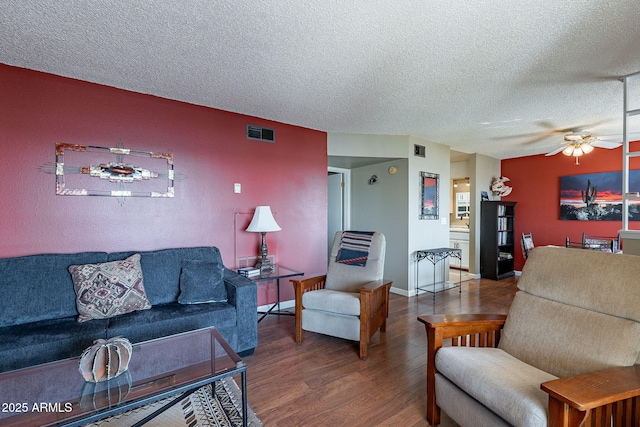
(300,286)
(481,330)
(374,285)
(303,285)
(573,399)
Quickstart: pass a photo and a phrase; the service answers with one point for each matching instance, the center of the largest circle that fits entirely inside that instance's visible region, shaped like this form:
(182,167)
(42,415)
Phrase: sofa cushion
(336,325)
(202,282)
(173,318)
(161,269)
(565,340)
(462,408)
(505,385)
(339,302)
(48,340)
(108,289)
(27,282)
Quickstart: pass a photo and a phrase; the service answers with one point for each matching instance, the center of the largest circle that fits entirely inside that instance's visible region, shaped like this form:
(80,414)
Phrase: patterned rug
(202,408)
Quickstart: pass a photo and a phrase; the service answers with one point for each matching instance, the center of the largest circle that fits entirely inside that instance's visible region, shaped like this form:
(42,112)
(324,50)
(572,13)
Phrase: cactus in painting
(589,196)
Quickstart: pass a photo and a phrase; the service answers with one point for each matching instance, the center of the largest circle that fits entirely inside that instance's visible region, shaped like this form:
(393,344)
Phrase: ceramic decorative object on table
(105,359)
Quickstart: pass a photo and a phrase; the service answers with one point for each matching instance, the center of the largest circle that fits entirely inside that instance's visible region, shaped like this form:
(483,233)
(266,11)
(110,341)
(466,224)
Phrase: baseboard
(283,304)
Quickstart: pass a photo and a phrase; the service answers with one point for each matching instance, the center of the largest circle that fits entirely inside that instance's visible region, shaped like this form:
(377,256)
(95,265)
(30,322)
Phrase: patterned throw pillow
(107,289)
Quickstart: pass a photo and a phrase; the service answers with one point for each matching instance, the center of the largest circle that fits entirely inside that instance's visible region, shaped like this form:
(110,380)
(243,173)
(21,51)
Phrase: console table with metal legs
(435,256)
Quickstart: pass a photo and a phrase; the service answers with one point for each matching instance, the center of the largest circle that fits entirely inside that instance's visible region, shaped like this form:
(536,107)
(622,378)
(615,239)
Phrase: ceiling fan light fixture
(568,151)
(577,152)
(587,148)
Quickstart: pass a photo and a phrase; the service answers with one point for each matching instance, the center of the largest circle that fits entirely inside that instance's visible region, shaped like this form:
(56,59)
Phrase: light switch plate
(237,188)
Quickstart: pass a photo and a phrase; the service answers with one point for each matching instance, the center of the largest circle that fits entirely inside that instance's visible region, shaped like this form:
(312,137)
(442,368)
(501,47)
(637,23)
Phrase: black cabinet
(497,239)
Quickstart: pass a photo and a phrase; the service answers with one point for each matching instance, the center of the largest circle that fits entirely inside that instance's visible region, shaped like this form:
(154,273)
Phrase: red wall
(209,147)
(536,188)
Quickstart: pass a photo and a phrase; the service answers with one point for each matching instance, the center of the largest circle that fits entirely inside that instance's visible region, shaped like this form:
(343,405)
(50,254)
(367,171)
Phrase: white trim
(346,195)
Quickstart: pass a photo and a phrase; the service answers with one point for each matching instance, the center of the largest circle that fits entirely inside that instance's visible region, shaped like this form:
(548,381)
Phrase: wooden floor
(322,382)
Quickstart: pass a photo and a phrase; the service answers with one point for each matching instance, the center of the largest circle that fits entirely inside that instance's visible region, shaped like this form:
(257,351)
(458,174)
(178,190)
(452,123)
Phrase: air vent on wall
(419,150)
(261,134)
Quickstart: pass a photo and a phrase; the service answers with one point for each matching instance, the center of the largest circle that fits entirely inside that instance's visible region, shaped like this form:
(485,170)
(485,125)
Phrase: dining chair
(527,244)
(601,243)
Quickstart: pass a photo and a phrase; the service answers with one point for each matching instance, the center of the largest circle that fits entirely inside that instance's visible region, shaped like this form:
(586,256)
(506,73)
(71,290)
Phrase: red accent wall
(210,149)
(536,188)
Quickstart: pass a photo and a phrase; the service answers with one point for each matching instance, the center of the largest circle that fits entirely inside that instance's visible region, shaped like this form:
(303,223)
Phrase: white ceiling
(474,75)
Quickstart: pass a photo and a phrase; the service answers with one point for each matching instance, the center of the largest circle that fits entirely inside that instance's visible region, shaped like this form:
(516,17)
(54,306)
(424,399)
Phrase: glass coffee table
(56,394)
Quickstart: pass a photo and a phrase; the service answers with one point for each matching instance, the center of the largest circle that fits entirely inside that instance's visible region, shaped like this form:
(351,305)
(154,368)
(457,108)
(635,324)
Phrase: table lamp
(263,222)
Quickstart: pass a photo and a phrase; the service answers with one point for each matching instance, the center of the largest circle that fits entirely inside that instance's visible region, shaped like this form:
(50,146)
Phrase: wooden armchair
(349,302)
(590,378)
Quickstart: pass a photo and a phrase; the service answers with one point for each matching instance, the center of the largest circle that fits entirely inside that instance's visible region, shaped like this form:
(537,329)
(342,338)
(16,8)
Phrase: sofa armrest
(243,294)
(473,330)
(611,396)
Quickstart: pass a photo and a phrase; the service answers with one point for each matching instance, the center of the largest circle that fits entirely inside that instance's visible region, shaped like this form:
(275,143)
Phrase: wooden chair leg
(364,350)
(434,342)
(299,331)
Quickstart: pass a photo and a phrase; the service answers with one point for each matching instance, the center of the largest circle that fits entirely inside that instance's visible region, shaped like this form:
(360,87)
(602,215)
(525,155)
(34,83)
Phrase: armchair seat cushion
(347,303)
(505,385)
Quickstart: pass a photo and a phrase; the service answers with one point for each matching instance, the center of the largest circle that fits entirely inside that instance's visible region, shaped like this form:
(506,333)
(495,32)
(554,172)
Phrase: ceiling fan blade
(606,144)
(556,151)
(633,136)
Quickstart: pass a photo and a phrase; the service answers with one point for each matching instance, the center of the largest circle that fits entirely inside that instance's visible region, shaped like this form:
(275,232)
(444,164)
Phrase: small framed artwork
(429,193)
(484,195)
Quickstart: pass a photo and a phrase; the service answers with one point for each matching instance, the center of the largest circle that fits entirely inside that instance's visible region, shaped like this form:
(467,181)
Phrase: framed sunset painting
(597,196)
(429,189)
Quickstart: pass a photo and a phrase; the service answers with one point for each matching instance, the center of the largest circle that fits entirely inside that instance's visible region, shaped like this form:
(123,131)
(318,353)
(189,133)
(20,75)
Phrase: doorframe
(346,195)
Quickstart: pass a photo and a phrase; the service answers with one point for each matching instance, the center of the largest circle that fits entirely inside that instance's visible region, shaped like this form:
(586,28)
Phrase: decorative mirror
(429,189)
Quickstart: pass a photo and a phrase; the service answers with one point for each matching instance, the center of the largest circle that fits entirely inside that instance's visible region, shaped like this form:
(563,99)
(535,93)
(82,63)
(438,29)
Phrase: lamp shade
(263,221)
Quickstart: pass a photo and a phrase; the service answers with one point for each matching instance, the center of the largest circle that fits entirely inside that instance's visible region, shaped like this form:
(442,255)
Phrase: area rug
(220,408)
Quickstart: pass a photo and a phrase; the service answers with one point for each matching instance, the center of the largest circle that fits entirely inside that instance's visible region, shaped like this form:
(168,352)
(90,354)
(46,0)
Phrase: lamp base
(264,265)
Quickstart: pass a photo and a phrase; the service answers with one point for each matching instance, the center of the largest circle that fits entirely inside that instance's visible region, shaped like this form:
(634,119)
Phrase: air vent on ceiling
(261,134)
(419,150)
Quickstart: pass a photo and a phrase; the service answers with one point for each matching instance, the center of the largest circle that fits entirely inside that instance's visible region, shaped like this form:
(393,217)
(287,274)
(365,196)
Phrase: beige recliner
(351,301)
(567,353)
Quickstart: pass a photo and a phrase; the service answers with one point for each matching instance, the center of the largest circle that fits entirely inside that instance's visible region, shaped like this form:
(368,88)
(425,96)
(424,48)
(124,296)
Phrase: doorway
(338,202)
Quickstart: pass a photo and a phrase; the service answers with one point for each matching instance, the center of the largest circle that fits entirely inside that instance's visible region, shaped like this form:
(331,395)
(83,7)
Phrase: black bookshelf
(497,239)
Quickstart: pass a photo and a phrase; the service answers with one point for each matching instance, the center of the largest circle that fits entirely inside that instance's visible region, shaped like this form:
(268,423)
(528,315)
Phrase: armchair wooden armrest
(472,330)
(300,286)
(607,397)
(374,310)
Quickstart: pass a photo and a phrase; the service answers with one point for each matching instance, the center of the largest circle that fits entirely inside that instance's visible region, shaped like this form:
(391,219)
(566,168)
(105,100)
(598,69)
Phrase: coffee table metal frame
(182,390)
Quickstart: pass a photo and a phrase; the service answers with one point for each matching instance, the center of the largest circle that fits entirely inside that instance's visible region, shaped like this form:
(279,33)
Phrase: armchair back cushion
(349,278)
(559,313)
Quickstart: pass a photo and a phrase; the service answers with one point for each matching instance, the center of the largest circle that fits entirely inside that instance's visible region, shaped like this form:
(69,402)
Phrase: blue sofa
(38,314)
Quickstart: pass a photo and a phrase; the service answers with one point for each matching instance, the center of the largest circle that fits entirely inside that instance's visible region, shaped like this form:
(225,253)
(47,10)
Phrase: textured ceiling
(487,76)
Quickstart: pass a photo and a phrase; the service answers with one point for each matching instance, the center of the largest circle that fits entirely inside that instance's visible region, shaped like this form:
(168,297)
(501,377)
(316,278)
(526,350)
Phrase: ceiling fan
(579,142)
